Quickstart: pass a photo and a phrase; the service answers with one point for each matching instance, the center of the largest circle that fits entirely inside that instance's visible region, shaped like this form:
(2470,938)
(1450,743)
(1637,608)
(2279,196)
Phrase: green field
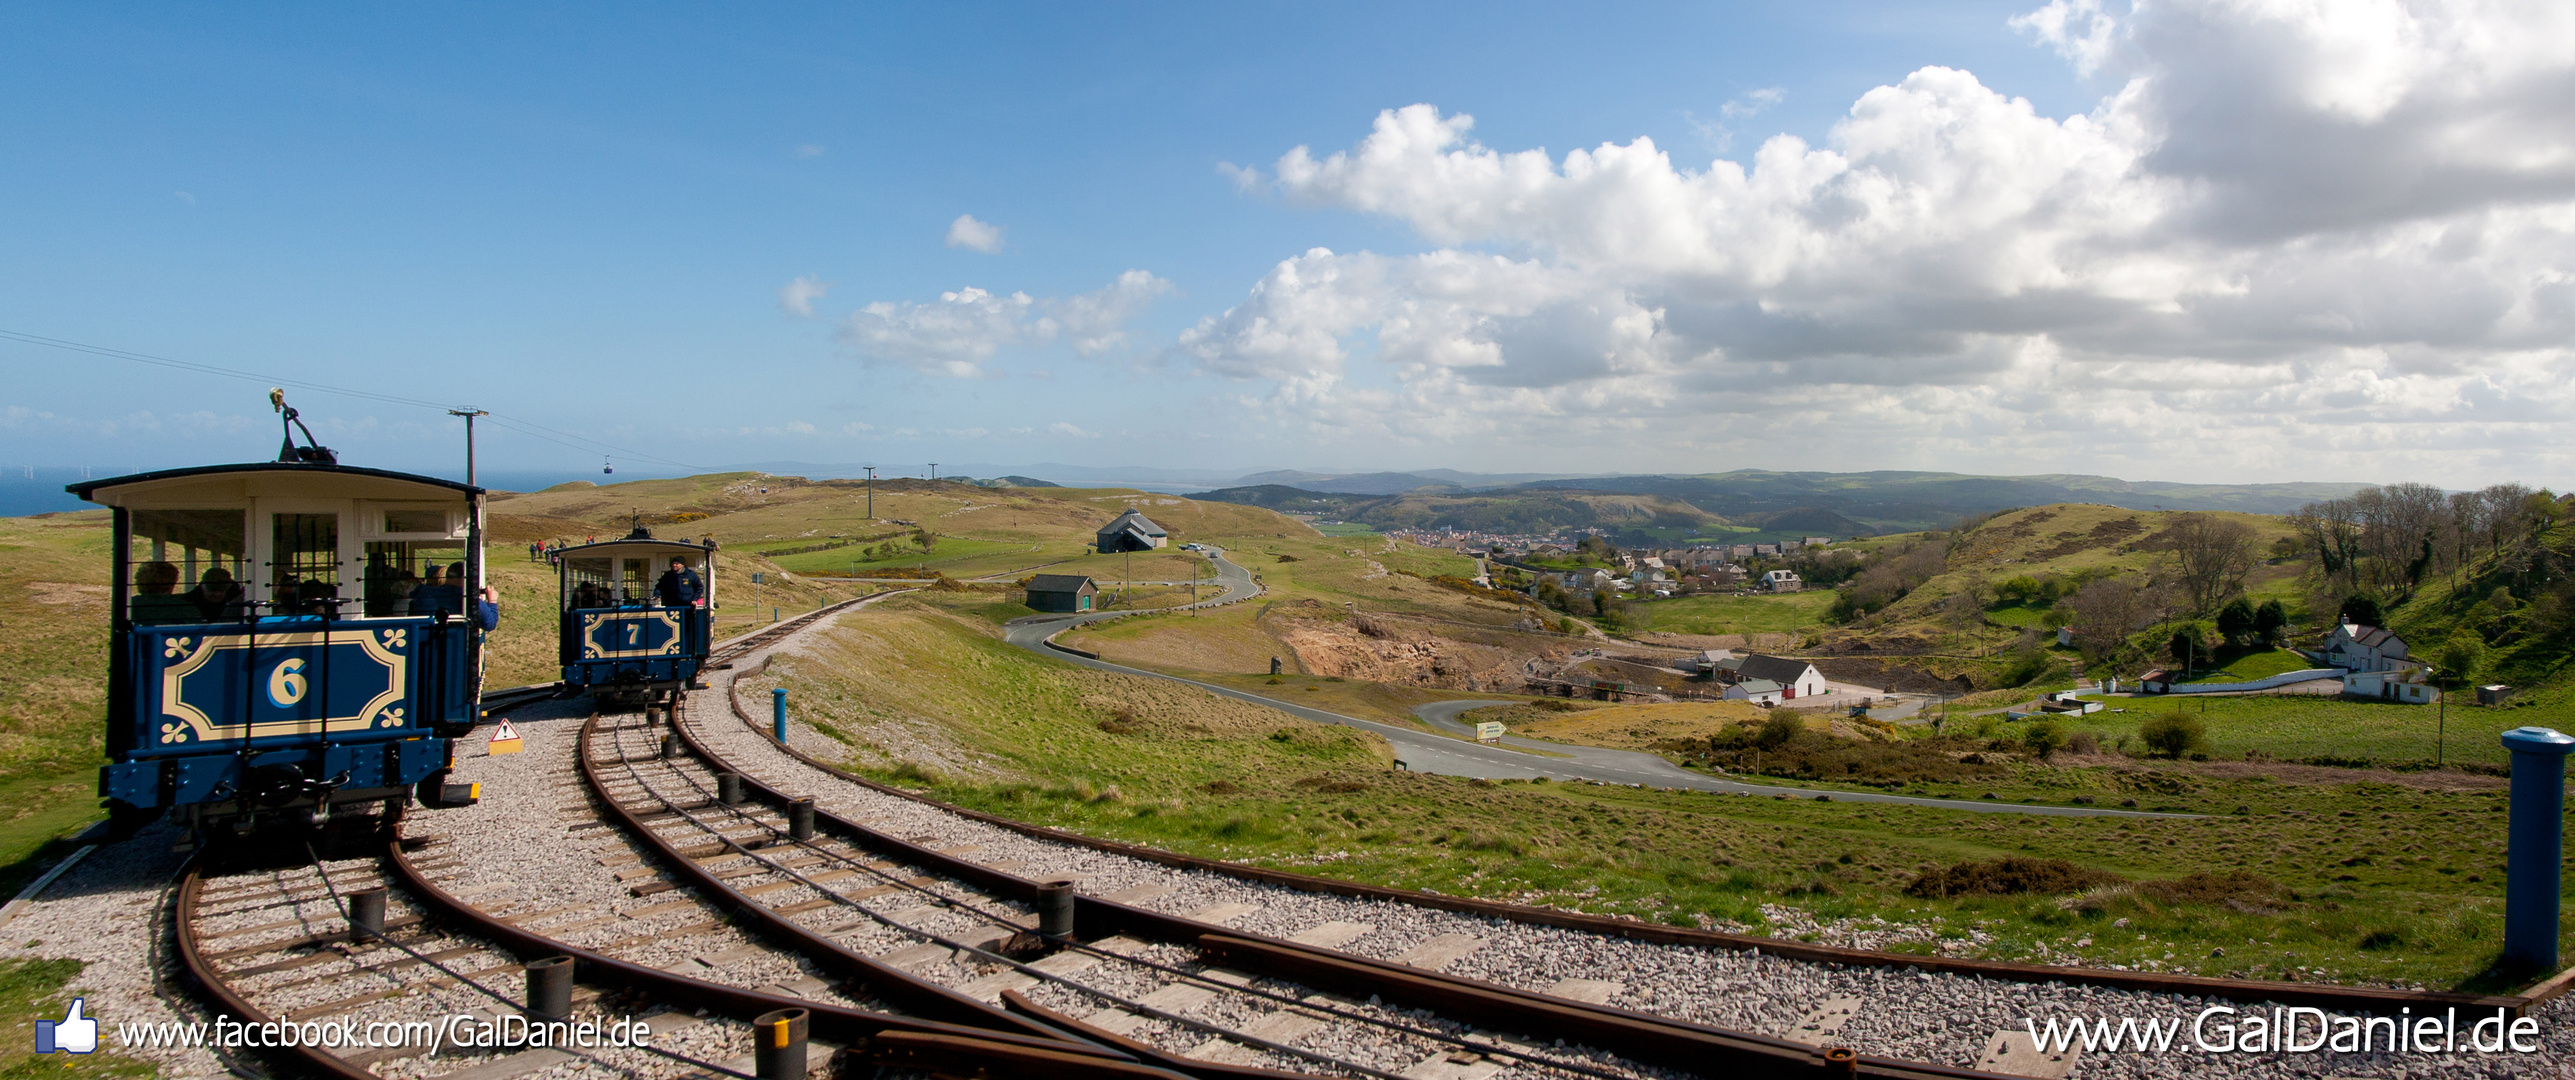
(1348,528)
(2246,665)
(1756,614)
(2328,874)
(2296,727)
(958,557)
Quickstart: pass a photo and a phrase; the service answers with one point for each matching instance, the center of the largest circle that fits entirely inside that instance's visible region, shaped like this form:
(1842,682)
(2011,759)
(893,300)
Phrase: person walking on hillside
(680,586)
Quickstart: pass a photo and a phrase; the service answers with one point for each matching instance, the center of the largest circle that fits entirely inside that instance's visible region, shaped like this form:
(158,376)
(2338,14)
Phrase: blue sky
(583,219)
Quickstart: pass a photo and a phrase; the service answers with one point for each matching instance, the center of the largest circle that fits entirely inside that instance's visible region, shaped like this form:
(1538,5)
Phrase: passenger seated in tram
(589,594)
(217,596)
(156,596)
(437,595)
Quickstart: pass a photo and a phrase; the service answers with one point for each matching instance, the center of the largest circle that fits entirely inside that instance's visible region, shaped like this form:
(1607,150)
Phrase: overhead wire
(521,426)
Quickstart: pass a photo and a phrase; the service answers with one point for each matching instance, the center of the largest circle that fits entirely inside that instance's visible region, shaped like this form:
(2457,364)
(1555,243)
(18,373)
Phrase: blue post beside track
(2536,851)
(778,701)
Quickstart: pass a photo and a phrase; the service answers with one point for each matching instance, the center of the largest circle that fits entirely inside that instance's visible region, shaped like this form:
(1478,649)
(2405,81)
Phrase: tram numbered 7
(632,628)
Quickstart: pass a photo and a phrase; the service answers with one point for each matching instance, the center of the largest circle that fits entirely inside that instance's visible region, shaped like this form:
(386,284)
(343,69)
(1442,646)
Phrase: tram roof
(361,476)
(646,542)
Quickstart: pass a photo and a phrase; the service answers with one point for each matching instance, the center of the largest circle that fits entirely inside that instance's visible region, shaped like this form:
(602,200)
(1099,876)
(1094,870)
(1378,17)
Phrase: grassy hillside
(2311,879)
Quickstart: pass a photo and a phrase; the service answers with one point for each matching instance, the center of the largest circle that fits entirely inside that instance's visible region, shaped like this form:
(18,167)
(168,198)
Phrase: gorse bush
(2172,734)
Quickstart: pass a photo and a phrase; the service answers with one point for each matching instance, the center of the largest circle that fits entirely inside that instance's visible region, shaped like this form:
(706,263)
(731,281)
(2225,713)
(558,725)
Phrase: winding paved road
(1423,752)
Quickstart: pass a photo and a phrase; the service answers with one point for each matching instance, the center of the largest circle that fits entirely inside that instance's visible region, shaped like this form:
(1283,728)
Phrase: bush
(1781,727)
(2172,734)
(2043,738)
(2004,877)
(2082,742)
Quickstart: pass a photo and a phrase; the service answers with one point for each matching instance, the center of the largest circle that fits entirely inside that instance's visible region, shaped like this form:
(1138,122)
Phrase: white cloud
(1067,429)
(1096,321)
(973,235)
(952,337)
(2286,229)
(797,297)
(809,150)
(1753,104)
(956,336)
(2079,30)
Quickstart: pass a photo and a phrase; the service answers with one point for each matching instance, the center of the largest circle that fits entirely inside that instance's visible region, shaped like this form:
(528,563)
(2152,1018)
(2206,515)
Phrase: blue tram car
(291,640)
(637,615)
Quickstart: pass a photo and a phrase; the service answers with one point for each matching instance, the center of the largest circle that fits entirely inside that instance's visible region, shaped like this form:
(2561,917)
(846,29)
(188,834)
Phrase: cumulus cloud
(797,297)
(973,235)
(2283,224)
(957,335)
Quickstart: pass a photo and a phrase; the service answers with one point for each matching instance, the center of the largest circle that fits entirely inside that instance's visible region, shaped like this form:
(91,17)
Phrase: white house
(2405,683)
(1796,678)
(2363,648)
(1781,581)
(1757,691)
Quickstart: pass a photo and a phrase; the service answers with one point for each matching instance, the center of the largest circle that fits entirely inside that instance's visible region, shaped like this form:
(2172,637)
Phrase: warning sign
(505,739)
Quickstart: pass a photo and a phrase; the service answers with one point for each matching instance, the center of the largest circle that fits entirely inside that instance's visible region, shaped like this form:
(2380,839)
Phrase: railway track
(965,942)
(1196,994)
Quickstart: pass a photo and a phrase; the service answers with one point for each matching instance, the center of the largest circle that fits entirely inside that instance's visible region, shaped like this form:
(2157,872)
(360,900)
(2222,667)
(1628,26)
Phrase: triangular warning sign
(505,733)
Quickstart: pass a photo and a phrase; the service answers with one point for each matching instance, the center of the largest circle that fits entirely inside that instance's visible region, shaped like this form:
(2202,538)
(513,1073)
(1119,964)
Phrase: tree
(2235,621)
(927,539)
(2461,655)
(2212,555)
(2269,620)
(2172,734)
(2186,645)
(2359,609)
(2105,613)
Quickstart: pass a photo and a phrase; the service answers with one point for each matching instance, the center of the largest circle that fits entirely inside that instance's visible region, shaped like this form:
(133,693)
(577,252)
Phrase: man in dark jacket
(680,586)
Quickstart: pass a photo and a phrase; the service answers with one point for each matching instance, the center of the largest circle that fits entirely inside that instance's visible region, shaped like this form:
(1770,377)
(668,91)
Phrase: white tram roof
(635,546)
(198,485)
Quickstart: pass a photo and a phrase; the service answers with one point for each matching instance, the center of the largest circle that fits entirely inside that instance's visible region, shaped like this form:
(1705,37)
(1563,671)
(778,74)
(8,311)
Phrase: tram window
(430,520)
(304,563)
(398,572)
(186,565)
(588,583)
(637,583)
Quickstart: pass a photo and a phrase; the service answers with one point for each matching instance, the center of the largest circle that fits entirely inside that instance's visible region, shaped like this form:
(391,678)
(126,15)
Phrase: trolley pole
(871,492)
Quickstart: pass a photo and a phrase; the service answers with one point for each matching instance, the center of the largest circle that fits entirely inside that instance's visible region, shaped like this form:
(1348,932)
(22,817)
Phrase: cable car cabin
(632,627)
(289,640)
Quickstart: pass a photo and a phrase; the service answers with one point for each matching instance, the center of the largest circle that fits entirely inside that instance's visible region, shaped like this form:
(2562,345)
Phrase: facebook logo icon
(70,1035)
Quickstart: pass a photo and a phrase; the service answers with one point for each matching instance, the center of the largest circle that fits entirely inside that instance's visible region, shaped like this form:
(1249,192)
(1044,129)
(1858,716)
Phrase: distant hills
(1742,503)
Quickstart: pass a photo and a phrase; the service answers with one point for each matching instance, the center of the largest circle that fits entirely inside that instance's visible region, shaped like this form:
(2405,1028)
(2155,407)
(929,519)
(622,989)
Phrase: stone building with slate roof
(1061,592)
(1131,531)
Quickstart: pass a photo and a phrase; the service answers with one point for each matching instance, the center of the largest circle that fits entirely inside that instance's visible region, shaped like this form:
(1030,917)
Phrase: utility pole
(871,492)
(469,415)
(934,470)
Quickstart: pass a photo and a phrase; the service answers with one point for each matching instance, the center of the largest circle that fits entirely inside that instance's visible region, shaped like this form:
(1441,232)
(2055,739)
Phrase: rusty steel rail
(2359,999)
(895,984)
(1640,1037)
(312,1060)
(850,1027)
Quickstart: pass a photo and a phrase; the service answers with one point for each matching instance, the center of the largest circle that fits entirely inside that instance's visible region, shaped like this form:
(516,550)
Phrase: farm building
(2363,648)
(2405,684)
(1796,678)
(1757,691)
(1131,531)
(1061,592)
(1782,581)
